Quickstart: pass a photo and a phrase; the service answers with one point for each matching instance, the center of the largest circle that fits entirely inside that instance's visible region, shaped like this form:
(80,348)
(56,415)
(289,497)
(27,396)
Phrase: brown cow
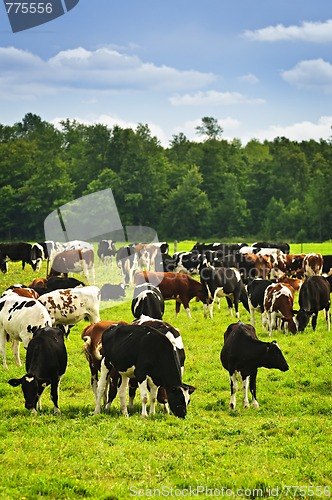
(178,286)
(74,261)
(278,304)
(295,283)
(312,264)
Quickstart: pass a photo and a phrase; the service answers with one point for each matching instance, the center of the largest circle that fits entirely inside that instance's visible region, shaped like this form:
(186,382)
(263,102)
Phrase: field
(281,450)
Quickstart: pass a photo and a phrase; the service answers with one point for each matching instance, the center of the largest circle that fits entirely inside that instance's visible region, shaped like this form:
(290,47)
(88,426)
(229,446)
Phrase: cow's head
(302,319)
(275,358)
(179,398)
(32,388)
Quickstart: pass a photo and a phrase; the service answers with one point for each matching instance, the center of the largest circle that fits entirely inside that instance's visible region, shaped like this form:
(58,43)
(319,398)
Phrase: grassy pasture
(213,452)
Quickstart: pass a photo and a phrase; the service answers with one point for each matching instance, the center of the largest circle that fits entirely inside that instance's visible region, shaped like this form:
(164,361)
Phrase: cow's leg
(210,308)
(252,386)
(122,395)
(94,381)
(234,387)
(272,322)
(3,341)
(314,320)
(230,306)
(245,387)
(133,384)
(55,395)
(112,389)
(16,352)
(328,318)
(143,389)
(101,386)
(252,314)
(153,396)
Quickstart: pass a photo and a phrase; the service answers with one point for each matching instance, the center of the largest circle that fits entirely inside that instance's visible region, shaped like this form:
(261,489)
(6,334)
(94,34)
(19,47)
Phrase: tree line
(204,190)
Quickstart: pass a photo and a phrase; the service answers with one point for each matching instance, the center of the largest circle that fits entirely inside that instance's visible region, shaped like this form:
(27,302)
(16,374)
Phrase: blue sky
(263,68)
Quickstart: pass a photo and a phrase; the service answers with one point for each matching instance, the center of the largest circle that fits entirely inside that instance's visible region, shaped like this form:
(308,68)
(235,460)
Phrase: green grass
(286,442)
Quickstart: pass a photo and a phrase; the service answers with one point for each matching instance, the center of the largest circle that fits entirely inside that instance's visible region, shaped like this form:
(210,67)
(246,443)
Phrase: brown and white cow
(178,286)
(74,261)
(312,264)
(278,305)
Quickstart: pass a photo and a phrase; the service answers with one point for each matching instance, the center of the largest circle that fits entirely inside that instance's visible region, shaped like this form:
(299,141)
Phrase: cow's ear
(190,388)
(15,381)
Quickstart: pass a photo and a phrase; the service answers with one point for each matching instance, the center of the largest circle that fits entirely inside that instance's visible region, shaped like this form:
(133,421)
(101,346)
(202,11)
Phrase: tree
(210,128)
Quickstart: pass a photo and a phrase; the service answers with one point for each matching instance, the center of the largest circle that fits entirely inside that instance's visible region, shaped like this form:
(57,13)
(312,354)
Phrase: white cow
(71,305)
(20,317)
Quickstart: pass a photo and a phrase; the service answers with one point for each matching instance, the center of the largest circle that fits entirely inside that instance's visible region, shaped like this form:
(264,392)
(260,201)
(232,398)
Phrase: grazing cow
(112,292)
(74,261)
(106,251)
(178,286)
(15,252)
(223,282)
(256,290)
(19,318)
(188,262)
(312,264)
(69,306)
(243,353)
(314,297)
(60,282)
(37,256)
(147,301)
(278,304)
(144,353)
(45,363)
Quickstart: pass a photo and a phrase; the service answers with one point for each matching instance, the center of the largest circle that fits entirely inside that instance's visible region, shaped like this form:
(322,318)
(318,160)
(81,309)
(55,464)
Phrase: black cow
(17,252)
(112,292)
(223,282)
(256,289)
(243,353)
(327,264)
(147,301)
(46,362)
(59,283)
(144,353)
(314,296)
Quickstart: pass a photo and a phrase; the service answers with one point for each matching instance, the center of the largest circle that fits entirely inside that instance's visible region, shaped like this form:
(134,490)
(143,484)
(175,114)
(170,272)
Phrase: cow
(69,306)
(37,256)
(20,317)
(45,363)
(188,262)
(314,296)
(327,265)
(284,247)
(74,261)
(243,353)
(147,301)
(278,305)
(112,292)
(106,251)
(143,352)
(251,265)
(178,286)
(61,282)
(312,264)
(15,252)
(22,291)
(256,289)
(128,262)
(3,264)
(295,283)
(92,335)
(222,282)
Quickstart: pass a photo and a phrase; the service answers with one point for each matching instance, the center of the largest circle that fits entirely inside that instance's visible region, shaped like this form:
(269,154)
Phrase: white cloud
(26,74)
(318,32)
(248,78)
(212,97)
(310,74)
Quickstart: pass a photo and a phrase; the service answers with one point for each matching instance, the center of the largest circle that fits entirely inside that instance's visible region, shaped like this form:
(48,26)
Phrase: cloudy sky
(263,68)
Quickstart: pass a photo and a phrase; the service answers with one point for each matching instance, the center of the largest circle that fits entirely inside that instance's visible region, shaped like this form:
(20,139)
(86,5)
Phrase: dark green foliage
(276,190)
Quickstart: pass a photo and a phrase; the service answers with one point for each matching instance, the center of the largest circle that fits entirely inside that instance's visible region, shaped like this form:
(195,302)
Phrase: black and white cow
(61,283)
(144,353)
(256,289)
(106,251)
(314,296)
(147,301)
(45,363)
(128,262)
(188,262)
(243,353)
(16,252)
(110,291)
(20,317)
(284,247)
(223,282)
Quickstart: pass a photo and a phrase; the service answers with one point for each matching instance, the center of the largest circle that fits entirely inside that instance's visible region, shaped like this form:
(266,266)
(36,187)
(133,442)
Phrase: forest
(209,189)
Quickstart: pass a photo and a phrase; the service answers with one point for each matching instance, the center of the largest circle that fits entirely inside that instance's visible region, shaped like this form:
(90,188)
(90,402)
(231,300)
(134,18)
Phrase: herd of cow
(148,353)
